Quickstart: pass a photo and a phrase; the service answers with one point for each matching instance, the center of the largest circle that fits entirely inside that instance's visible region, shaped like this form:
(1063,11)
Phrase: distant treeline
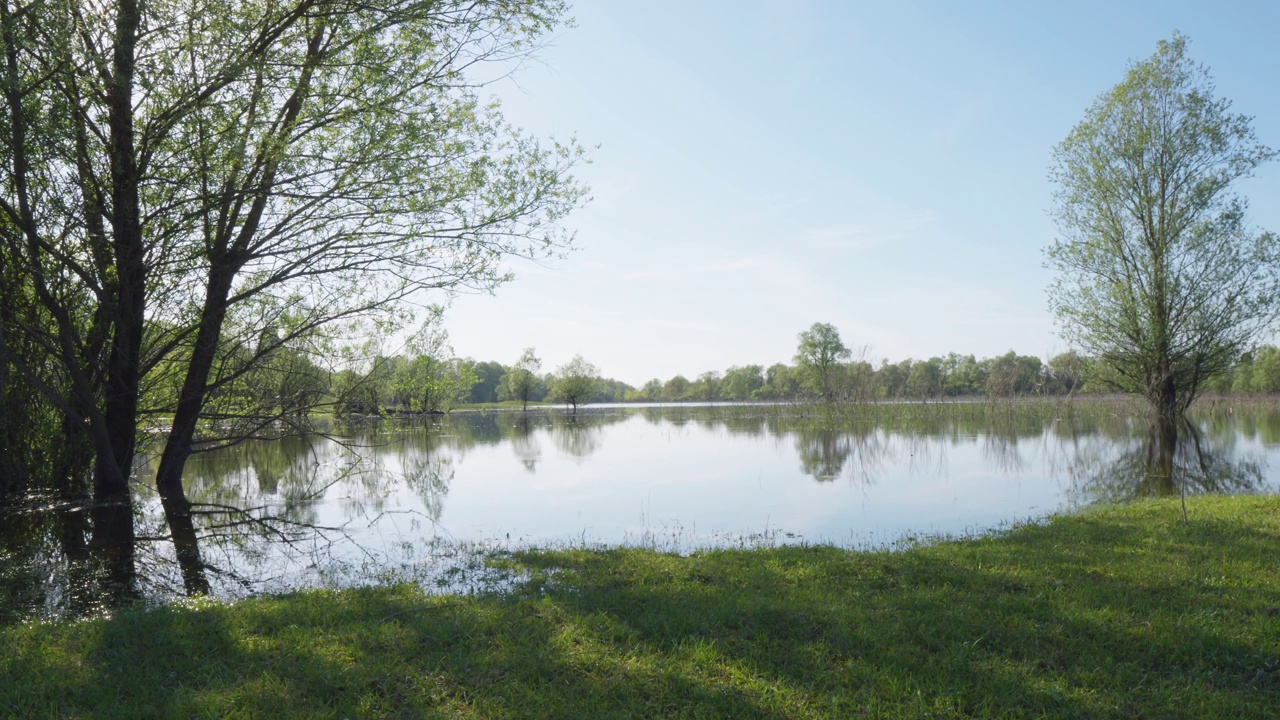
(938,377)
(1253,372)
(422,383)
(402,384)
(425,384)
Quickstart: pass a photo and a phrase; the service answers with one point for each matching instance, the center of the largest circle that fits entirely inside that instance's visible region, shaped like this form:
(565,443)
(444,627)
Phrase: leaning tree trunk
(181,441)
(191,400)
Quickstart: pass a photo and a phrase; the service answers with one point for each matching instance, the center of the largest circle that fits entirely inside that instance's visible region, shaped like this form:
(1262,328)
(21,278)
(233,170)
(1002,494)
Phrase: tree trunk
(123,365)
(191,401)
(1163,394)
(1162,447)
(178,447)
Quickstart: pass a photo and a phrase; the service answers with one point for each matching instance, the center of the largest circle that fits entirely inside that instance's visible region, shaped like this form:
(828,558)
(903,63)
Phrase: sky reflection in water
(718,475)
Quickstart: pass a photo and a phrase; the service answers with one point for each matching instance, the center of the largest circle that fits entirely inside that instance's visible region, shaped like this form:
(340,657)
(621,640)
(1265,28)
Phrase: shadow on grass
(1112,614)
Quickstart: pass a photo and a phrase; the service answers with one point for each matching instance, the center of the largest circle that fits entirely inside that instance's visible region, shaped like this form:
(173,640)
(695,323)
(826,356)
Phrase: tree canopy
(1159,276)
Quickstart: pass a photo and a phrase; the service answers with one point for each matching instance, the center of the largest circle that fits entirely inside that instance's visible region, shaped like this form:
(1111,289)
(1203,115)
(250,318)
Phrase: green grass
(1115,613)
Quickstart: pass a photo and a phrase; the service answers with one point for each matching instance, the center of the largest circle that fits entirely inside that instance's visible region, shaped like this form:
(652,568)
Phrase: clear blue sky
(767,164)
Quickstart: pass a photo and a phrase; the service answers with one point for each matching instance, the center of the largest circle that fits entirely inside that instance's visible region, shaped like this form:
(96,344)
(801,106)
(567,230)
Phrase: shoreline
(1112,612)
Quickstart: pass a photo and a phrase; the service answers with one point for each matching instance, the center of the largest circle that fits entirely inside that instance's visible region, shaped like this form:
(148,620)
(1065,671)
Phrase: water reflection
(280,514)
(426,471)
(525,445)
(823,453)
(1168,459)
(43,535)
(827,454)
(577,437)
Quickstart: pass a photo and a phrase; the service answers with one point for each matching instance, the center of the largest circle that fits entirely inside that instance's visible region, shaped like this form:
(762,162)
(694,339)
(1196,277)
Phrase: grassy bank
(1115,613)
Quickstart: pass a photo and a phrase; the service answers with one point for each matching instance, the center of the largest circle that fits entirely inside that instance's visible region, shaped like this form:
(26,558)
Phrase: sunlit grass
(1115,613)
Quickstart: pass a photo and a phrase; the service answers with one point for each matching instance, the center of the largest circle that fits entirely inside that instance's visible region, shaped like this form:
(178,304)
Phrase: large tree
(178,177)
(818,356)
(1159,276)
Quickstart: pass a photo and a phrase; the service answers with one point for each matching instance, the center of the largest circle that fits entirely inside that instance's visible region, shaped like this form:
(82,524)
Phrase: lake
(423,501)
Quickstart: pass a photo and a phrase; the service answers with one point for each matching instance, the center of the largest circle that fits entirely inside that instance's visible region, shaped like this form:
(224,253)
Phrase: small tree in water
(523,376)
(1159,277)
(575,383)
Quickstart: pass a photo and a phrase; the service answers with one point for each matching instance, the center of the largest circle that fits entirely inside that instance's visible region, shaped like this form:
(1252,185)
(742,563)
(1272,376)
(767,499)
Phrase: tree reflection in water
(523,443)
(823,453)
(1170,458)
(258,511)
(426,470)
(826,453)
(65,556)
(577,437)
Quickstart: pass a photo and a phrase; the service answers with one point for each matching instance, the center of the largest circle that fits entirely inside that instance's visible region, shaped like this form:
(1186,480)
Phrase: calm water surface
(416,501)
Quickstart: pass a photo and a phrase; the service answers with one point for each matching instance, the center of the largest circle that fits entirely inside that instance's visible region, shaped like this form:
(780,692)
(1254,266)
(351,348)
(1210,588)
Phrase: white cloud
(869,234)
(732,266)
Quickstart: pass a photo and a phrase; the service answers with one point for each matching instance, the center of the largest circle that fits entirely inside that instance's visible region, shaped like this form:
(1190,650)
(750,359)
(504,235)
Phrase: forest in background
(439,382)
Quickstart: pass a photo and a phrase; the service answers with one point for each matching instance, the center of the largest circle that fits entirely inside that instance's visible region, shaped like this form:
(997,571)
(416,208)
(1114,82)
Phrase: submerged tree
(818,356)
(523,376)
(1160,279)
(429,378)
(575,382)
(179,177)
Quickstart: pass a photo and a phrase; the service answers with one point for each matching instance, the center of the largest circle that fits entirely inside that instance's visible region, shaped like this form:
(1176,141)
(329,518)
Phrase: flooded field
(422,501)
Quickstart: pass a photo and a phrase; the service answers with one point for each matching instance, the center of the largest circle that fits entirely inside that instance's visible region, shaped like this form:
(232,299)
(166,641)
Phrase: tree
(357,394)
(675,388)
(927,379)
(741,383)
(488,376)
(575,382)
(427,378)
(780,383)
(288,384)
(967,375)
(1266,369)
(819,352)
(707,386)
(610,390)
(1068,371)
(523,376)
(859,381)
(1012,374)
(892,377)
(1242,375)
(179,176)
(1159,278)
(651,391)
